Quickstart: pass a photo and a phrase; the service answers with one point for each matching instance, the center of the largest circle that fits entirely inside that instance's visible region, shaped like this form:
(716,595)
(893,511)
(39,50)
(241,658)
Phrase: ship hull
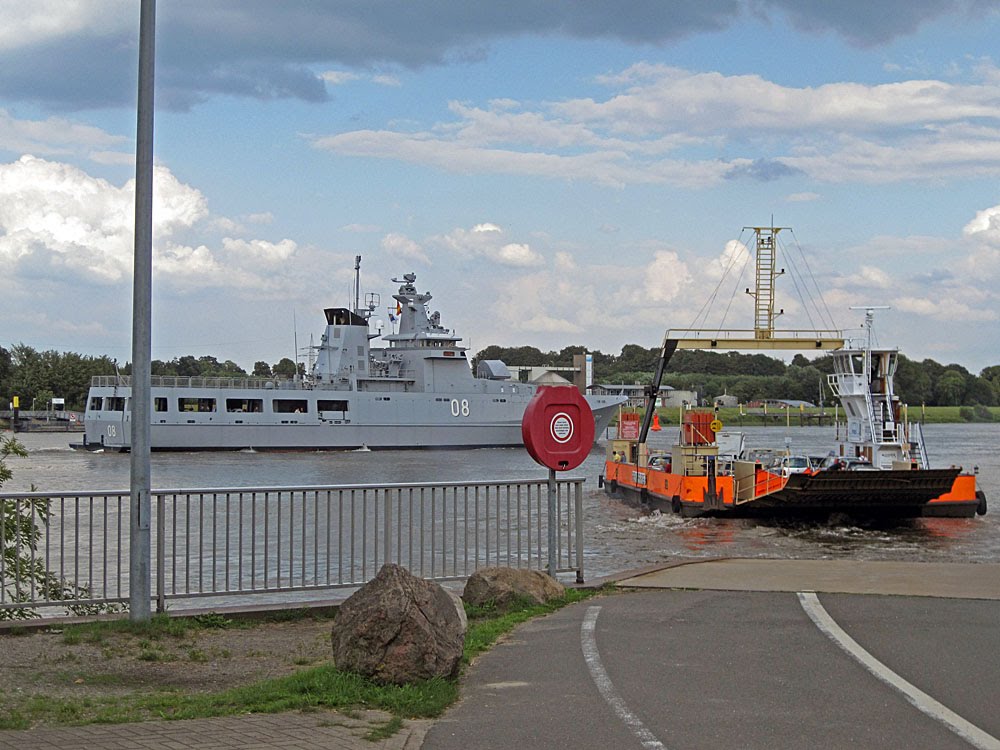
(875,494)
(377,420)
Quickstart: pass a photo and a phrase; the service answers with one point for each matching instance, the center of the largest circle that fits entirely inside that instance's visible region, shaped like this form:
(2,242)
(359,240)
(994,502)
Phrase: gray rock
(503,587)
(398,629)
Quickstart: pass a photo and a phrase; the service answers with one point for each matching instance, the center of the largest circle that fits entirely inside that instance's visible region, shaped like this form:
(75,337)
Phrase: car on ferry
(794,465)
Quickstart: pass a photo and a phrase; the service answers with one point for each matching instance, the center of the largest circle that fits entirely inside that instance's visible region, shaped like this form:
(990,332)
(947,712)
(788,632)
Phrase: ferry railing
(69,552)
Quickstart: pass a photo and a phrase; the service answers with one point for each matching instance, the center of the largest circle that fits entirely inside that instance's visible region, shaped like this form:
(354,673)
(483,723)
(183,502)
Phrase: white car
(793,465)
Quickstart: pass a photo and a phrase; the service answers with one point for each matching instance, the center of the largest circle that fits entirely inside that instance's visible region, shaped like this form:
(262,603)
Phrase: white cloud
(39,21)
(985,226)
(59,137)
(259,251)
(400,246)
(664,278)
(487,240)
(948,310)
(360,228)
(338,77)
(63,225)
(668,125)
(870,276)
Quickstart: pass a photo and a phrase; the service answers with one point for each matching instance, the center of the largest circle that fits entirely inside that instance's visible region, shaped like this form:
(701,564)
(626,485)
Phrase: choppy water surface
(618,537)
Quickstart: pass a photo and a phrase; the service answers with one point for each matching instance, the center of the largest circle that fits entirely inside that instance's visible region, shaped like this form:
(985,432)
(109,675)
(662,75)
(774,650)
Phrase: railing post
(161,546)
(387,526)
(578,508)
(553,565)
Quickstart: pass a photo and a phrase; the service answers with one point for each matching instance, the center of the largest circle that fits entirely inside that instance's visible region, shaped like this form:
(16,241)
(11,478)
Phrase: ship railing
(69,553)
(183,381)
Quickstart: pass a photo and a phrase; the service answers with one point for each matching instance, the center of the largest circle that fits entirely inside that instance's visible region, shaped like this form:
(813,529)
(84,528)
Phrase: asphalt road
(683,669)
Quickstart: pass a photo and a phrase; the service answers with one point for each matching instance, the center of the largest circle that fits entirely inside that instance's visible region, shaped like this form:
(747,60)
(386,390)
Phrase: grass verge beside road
(307,689)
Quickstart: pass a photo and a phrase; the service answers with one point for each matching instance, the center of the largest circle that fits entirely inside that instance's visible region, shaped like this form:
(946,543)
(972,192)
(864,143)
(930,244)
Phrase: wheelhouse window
(159,403)
(114,403)
(188,404)
(96,403)
(289,406)
(245,404)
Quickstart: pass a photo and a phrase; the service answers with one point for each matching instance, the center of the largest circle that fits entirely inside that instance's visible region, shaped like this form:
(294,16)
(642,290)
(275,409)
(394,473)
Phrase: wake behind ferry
(417,392)
(878,466)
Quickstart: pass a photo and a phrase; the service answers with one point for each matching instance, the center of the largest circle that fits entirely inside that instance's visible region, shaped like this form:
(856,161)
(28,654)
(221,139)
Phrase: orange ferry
(879,467)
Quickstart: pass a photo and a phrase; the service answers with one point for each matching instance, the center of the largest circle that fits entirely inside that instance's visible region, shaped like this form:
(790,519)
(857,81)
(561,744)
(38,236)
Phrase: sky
(556,174)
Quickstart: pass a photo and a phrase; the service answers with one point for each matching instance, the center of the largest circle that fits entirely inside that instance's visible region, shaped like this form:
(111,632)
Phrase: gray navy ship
(417,391)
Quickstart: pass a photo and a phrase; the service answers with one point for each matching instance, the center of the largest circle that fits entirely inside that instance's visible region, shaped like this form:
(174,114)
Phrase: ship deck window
(245,404)
(159,403)
(114,403)
(331,405)
(196,404)
(289,406)
(96,403)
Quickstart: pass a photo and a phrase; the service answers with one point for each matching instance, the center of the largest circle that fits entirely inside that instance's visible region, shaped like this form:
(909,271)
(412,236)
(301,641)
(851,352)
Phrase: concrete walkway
(329,730)
(947,580)
(669,645)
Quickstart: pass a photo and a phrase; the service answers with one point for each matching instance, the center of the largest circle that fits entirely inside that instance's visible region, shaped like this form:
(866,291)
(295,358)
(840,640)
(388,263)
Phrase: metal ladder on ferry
(918,447)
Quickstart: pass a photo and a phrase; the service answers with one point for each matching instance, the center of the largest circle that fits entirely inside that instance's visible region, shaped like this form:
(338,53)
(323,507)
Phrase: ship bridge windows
(189,404)
(328,405)
(96,403)
(114,403)
(289,406)
(159,403)
(245,404)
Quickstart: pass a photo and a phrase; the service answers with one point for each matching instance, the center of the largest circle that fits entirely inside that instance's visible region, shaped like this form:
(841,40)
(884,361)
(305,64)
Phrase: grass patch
(159,626)
(309,689)
(384,731)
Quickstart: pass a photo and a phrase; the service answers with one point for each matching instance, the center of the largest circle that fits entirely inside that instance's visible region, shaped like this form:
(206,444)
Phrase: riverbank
(736,417)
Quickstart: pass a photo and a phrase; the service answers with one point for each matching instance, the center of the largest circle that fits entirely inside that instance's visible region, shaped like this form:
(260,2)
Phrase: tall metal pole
(139,486)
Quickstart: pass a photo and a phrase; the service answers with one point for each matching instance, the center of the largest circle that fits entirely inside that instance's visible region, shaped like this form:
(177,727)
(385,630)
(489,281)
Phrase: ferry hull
(862,494)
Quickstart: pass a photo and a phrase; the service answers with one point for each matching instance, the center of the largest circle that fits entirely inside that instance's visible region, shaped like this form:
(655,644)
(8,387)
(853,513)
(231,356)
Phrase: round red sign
(558,427)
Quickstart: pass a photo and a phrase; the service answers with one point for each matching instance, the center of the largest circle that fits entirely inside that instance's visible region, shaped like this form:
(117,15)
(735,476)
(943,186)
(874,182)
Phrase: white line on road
(964,729)
(606,687)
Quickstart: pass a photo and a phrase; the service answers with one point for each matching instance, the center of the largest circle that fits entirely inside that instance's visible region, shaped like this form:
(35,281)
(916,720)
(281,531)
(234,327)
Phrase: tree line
(38,376)
(751,377)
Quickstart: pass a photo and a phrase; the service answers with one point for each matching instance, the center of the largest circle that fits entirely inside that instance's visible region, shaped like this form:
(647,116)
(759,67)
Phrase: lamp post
(139,477)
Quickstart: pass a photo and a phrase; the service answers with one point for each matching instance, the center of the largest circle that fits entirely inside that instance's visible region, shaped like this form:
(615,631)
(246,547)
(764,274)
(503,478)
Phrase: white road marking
(606,687)
(964,729)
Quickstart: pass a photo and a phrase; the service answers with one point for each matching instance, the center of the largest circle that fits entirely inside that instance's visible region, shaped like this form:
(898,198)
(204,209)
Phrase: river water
(618,537)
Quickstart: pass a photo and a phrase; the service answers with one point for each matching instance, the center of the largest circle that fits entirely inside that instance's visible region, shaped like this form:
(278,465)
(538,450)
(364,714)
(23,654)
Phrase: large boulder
(398,629)
(503,587)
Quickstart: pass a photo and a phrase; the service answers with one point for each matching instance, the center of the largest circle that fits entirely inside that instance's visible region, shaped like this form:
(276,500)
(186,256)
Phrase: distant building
(725,401)
(780,403)
(668,396)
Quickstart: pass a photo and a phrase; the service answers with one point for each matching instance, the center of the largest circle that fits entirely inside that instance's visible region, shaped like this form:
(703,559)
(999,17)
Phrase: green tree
(20,526)
(949,389)
(285,368)
(979,391)
(261,369)
(912,381)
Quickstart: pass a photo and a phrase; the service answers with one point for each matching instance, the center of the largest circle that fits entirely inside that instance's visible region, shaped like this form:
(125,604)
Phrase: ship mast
(764,335)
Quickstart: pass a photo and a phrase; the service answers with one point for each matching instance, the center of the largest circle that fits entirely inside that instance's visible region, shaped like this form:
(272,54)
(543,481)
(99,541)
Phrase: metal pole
(139,487)
(553,523)
(578,506)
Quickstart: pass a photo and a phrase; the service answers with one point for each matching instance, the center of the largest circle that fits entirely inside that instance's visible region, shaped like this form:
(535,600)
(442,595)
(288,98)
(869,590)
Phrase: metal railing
(71,550)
